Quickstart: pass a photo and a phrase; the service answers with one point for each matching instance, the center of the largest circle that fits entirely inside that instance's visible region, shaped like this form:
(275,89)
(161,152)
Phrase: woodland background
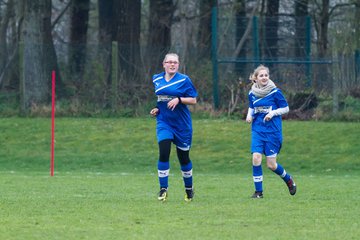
(105,52)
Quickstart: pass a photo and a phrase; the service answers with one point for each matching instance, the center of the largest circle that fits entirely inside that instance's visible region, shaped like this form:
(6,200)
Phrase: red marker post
(52,123)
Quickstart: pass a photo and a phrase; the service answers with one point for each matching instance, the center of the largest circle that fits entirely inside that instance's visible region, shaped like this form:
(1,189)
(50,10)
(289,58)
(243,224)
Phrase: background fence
(293,62)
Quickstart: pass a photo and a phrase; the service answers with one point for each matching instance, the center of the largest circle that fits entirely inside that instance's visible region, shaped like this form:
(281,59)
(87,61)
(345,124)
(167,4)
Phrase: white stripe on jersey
(265,96)
(157,78)
(181,80)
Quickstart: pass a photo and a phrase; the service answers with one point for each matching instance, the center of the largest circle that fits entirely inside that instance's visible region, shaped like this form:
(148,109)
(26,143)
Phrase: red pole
(52,123)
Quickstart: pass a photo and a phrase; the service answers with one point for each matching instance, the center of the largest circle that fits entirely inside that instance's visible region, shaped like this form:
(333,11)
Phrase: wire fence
(284,44)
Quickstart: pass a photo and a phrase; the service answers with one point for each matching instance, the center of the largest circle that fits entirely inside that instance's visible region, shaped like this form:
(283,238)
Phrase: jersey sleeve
(190,89)
(250,100)
(156,77)
(280,100)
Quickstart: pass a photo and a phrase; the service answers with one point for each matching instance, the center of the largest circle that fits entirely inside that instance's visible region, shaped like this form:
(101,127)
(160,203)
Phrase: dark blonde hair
(254,75)
(171,54)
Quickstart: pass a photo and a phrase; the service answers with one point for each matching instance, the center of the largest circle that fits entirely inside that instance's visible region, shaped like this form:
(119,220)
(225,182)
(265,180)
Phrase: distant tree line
(104,52)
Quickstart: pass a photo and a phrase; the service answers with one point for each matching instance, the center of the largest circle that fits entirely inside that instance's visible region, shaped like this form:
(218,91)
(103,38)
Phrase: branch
(61,14)
(244,37)
(340,5)
(9,62)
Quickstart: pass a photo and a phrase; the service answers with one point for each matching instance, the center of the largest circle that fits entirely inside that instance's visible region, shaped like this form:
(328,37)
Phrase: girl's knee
(256,160)
(271,164)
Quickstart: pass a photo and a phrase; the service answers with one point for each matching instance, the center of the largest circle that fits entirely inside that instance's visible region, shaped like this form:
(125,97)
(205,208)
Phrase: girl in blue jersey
(174,92)
(266,105)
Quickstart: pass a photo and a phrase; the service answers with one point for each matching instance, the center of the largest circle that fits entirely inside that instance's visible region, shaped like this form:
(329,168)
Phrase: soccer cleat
(257,195)
(189,194)
(163,194)
(292,186)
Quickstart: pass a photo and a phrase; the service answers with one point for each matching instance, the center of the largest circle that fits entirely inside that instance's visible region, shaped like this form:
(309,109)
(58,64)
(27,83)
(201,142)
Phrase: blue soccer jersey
(174,124)
(262,106)
(266,137)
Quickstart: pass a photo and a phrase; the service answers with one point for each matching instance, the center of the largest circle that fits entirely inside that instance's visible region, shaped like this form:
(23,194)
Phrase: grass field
(105,182)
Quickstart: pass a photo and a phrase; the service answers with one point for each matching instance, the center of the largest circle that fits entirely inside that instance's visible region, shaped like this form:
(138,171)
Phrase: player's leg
(182,140)
(257,149)
(164,137)
(257,175)
(164,167)
(186,170)
(271,150)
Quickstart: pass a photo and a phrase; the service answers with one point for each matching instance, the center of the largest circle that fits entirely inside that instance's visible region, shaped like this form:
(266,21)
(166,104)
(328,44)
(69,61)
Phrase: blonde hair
(254,75)
(171,54)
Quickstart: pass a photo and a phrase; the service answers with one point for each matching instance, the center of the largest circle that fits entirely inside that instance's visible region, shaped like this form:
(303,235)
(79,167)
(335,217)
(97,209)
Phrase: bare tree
(271,29)
(4,55)
(204,39)
(79,17)
(322,22)
(241,26)
(301,10)
(39,57)
(357,37)
(127,34)
(159,40)
(322,14)
(105,46)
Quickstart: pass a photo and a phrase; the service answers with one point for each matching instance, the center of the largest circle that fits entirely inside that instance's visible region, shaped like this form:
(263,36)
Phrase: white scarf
(262,91)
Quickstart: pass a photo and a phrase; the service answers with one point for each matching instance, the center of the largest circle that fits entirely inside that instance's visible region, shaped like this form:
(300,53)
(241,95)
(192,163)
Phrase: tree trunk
(159,42)
(79,17)
(127,35)
(271,30)
(3,43)
(241,25)
(301,10)
(39,57)
(204,36)
(357,26)
(105,46)
(322,44)
(357,37)
(323,29)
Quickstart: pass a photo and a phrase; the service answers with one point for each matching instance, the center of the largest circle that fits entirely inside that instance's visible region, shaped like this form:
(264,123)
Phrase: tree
(4,54)
(301,10)
(39,57)
(357,46)
(322,22)
(127,34)
(357,26)
(159,38)
(105,43)
(204,35)
(321,17)
(79,17)
(241,25)
(271,29)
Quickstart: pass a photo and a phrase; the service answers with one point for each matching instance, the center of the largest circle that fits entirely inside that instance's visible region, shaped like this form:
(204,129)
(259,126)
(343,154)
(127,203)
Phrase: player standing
(266,105)
(174,92)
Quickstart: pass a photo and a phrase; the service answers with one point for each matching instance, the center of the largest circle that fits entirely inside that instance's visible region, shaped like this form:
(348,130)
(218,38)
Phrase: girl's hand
(268,116)
(173,103)
(154,112)
(249,119)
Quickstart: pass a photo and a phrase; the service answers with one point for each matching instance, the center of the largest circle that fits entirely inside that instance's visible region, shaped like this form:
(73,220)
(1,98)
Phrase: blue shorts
(182,139)
(266,143)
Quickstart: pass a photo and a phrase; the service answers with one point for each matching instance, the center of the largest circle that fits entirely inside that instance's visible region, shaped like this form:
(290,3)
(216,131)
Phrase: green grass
(116,206)
(129,145)
(105,182)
